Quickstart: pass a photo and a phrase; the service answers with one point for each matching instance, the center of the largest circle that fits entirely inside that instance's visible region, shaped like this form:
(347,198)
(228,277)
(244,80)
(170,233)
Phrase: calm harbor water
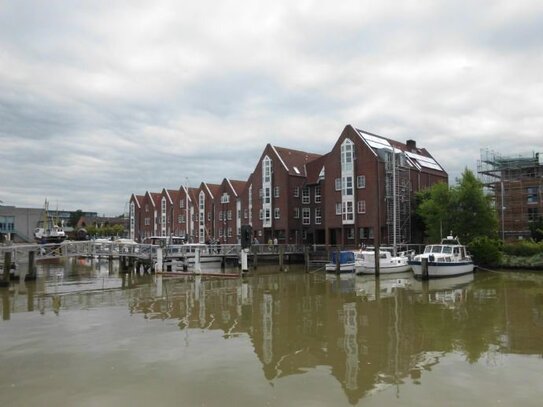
(84,335)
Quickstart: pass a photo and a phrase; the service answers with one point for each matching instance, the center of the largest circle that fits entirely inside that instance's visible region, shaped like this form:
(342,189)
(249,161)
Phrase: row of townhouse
(362,191)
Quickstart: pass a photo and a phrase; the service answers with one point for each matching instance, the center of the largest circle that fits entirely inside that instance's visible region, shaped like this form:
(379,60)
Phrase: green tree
(474,214)
(536,229)
(463,209)
(435,210)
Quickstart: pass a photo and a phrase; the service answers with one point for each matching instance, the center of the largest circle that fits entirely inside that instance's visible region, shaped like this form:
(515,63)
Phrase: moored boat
(342,261)
(449,258)
(388,263)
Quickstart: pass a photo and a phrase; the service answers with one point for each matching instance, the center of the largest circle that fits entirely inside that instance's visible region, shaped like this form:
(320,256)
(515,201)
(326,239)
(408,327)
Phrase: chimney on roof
(411,145)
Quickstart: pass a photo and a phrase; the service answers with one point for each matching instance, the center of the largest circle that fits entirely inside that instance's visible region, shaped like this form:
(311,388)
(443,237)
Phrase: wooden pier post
(7,265)
(281,258)
(306,258)
(338,265)
(5,305)
(424,267)
(31,274)
(377,259)
(255,257)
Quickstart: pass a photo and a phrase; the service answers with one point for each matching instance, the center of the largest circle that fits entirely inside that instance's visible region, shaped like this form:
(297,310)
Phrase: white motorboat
(449,258)
(365,262)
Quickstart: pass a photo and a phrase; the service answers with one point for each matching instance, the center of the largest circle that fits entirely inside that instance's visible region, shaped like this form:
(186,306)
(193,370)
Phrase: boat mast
(394,220)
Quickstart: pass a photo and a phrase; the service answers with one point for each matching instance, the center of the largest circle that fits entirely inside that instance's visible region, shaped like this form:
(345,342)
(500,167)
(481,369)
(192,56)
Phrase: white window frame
(318,216)
(361,206)
(361,181)
(338,184)
(318,194)
(338,208)
(276,213)
(276,191)
(306,195)
(306,216)
(296,213)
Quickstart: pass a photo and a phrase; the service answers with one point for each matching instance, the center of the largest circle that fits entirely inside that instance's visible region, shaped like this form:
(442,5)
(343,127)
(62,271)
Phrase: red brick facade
(346,197)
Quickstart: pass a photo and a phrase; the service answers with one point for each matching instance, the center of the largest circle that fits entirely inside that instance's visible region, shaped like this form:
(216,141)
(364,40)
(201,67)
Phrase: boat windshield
(447,249)
(436,249)
(428,249)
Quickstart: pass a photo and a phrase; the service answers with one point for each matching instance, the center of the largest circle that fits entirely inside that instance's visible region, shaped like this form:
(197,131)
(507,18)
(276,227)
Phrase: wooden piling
(31,274)
(377,259)
(255,257)
(6,308)
(424,267)
(306,258)
(7,265)
(338,266)
(281,257)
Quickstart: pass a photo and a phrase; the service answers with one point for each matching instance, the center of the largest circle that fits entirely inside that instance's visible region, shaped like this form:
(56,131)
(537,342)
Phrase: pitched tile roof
(295,160)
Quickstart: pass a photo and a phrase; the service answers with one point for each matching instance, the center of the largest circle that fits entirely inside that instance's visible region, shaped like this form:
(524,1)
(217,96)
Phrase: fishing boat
(342,261)
(388,263)
(48,229)
(449,258)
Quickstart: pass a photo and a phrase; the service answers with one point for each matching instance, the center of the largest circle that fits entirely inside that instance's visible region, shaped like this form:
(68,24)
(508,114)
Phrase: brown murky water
(82,335)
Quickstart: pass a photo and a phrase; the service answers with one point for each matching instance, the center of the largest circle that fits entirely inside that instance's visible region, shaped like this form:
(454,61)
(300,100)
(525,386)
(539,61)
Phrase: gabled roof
(237,186)
(212,189)
(294,161)
(314,169)
(418,158)
(173,195)
(138,199)
(156,197)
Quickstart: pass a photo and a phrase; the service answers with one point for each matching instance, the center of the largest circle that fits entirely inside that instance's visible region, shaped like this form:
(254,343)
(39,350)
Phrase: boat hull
(383,269)
(343,268)
(437,269)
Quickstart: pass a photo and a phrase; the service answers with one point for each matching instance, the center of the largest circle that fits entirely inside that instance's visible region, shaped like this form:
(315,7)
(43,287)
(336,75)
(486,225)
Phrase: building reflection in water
(372,334)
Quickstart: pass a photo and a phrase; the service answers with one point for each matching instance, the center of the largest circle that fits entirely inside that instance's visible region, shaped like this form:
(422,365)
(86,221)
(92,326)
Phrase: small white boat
(344,259)
(449,258)
(388,263)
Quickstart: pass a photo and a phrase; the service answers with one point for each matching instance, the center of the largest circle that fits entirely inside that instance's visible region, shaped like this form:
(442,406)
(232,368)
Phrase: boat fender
(431,257)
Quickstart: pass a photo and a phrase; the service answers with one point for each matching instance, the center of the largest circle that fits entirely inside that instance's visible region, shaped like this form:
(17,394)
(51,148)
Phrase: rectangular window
(296,192)
(267,195)
(348,212)
(532,195)
(229,214)
(361,207)
(338,208)
(296,213)
(533,214)
(318,217)
(338,184)
(147,221)
(182,203)
(304,234)
(318,194)
(229,232)
(350,233)
(276,192)
(276,213)
(181,219)
(305,195)
(347,185)
(306,216)
(209,216)
(365,233)
(261,214)
(220,215)
(361,181)
(245,214)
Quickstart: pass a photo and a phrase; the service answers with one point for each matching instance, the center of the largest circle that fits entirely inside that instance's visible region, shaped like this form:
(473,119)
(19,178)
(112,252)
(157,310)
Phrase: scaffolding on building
(398,198)
(516,185)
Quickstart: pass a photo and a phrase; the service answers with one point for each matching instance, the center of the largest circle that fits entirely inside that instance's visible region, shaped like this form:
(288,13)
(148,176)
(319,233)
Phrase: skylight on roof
(296,170)
(424,161)
(375,142)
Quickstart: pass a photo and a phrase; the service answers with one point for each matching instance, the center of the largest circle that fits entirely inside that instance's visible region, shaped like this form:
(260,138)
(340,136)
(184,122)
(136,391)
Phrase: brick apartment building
(359,192)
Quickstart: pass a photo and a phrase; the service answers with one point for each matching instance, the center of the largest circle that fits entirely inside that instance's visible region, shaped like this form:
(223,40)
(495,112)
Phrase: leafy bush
(485,250)
(523,248)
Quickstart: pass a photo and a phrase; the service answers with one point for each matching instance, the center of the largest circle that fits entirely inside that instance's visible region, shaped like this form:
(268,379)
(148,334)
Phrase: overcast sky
(99,99)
